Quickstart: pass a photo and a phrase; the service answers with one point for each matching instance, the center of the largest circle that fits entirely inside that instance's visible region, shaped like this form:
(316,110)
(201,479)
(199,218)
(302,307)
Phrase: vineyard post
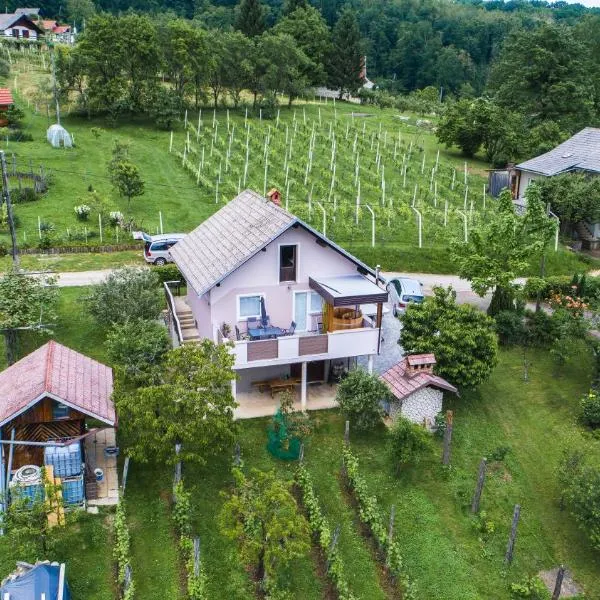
(347,433)
(199,124)
(447,438)
(435,194)
(265,178)
(185,120)
(414,199)
(419,225)
(287,191)
(465,172)
(100,225)
(159,220)
(437,159)
(372,225)
(227,119)
(431,178)
(382,185)
(559,581)
(453,179)
(510,548)
(423,164)
(465,223)
(390,534)
(479,486)
(171,143)
(357,205)
(466,197)
(217,192)
(484,196)
(199,171)
(214,117)
(310,201)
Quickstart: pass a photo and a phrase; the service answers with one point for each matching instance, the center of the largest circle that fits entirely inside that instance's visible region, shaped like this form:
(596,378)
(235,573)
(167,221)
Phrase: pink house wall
(201,309)
(260,275)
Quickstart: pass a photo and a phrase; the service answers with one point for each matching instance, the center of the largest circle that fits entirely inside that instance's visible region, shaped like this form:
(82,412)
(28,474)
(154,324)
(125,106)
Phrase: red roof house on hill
(48,395)
(418,392)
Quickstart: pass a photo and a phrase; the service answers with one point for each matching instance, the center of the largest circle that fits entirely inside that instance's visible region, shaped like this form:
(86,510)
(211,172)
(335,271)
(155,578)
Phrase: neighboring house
(54,32)
(6,101)
(19,26)
(48,400)
(30,12)
(579,154)
(418,392)
(253,258)
(367,83)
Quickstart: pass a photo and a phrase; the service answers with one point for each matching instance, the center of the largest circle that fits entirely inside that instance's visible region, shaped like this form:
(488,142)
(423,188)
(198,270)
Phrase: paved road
(78,278)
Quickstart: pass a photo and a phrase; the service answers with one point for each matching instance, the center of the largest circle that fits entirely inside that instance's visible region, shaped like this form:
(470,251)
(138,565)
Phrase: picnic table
(277,385)
(264,333)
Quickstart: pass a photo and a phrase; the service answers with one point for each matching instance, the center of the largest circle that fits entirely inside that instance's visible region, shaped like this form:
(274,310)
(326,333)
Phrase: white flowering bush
(82,212)
(116,218)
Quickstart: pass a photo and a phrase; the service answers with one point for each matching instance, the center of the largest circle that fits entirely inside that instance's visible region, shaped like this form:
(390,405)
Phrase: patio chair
(291,330)
(252,322)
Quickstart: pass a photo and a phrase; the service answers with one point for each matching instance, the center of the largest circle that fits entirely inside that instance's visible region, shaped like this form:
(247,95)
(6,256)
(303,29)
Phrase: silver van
(402,291)
(157,247)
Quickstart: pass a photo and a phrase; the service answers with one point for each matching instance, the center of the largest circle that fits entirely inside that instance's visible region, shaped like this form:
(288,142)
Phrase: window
(287,263)
(159,246)
(60,411)
(306,305)
(316,304)
(248,306)
(25,33)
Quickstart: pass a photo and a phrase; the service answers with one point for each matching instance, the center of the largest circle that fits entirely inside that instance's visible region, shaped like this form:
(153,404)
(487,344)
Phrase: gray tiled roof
(582,152)
(234,234)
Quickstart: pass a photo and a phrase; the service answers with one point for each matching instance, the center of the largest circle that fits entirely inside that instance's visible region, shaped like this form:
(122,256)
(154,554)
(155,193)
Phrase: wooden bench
(280,385)
(261,385)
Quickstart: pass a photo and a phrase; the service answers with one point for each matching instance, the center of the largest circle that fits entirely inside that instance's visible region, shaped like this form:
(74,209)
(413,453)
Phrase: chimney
(274,195)
(419,363)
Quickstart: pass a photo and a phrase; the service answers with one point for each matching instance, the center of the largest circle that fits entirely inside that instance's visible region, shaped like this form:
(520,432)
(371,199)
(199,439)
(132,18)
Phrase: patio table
(264,333)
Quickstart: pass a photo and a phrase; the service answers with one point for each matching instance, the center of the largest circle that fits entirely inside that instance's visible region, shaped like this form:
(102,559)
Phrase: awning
(348,290)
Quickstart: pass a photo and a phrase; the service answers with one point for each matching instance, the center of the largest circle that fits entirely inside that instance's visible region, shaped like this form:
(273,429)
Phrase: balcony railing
(172,312)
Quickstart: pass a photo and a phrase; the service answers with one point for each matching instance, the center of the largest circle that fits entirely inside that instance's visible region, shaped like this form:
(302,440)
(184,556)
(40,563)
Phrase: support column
(303,388)
(370,364)
(234,388)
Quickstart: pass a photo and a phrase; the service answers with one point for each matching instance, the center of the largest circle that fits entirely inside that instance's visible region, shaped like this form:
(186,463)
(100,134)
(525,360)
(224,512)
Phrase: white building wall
(420,407)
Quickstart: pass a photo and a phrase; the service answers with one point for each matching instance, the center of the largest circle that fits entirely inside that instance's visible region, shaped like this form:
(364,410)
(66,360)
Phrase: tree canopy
(461,337)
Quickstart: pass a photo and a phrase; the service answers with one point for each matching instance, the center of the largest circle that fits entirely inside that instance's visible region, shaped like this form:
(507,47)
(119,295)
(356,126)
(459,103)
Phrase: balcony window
(287,263)
(248,306)
(308,307)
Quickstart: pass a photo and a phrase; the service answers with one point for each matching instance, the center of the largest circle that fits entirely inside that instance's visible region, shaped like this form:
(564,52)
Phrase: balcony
(360,340)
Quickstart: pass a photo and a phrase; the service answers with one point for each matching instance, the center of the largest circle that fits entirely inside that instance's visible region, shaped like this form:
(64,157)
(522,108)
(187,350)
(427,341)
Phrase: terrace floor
(254,404)
(108,488)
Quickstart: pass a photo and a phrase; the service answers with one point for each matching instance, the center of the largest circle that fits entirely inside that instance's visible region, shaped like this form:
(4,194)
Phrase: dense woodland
(493,70)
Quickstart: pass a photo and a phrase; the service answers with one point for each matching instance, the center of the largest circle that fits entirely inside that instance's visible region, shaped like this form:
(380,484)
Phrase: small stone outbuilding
(417,391)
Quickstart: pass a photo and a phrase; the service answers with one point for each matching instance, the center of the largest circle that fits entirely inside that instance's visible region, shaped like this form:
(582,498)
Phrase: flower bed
(371,515)
(122,553)
(321,530)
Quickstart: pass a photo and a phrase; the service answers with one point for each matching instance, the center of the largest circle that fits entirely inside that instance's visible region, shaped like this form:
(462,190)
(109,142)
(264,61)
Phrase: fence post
(479,487)
(447,438)
(125,473)
(196,557)
(334,540)
(390,533)
(347,433)
(177,478)
(301,454)
(559,580)
(510,548)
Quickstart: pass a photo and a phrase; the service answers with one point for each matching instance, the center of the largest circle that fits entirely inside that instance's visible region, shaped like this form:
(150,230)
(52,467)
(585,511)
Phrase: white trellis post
(419,225)
(435,194)
(423,164)
(453,179)
(465,224)
(159,220)
(324,218)
(171,143)
(265,178)
(446,213)
(465,172)
(484,196)
(414,199)
(100,226)
(551,214)
(372,225)
(217,192)
(466,197)
(185,120)
(287,192)
(357,204)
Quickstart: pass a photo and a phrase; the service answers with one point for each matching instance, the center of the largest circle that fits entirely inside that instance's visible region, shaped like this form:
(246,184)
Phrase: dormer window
(288,256)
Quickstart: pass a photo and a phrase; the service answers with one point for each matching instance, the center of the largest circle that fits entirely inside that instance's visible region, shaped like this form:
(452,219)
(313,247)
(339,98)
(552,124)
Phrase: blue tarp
(42,579)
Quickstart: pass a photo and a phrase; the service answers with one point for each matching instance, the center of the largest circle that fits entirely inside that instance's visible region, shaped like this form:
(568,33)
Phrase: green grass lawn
(85,261)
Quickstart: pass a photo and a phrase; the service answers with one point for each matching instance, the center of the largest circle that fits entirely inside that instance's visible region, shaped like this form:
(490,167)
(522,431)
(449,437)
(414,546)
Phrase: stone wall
(420,407)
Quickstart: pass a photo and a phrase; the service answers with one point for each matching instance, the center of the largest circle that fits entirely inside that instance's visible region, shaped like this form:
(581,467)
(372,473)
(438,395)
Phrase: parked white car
(402,291)
(157,247)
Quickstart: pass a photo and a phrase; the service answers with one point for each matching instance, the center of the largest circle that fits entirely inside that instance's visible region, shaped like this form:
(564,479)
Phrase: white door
(301,310)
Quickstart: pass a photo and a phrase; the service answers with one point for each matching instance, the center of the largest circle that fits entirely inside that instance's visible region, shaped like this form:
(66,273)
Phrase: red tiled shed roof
(6,98)
(49,25)
(403,385)
(60,373)
(61,29)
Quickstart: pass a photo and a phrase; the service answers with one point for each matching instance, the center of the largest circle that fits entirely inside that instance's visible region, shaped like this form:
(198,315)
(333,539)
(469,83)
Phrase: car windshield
(412,298)
(397,285)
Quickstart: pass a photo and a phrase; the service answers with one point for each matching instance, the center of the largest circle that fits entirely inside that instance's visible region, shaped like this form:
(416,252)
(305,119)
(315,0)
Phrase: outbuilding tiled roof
(61,373)
(420,359)
(233,235)
(6,98)
(581,152)
(403,384)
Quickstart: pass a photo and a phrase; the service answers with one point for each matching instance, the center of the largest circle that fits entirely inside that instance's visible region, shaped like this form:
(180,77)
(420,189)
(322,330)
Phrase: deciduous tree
(128,181)
(408,442)
(192,406)
(261,515)
(461,337)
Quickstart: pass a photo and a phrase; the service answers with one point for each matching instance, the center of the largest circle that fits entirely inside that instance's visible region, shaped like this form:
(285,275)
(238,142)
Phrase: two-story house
(297,307)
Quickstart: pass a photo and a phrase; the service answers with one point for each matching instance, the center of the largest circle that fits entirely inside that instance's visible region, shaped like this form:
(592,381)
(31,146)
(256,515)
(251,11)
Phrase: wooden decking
(107,489)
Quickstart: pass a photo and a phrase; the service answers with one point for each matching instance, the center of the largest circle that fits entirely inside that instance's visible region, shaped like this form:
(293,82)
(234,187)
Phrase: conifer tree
(250,18)
(345,61)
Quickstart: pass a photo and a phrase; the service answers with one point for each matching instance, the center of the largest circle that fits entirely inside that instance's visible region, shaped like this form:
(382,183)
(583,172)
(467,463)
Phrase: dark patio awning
(348,290)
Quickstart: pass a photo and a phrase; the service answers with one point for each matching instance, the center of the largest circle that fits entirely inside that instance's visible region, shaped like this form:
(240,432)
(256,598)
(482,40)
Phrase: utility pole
(9,211)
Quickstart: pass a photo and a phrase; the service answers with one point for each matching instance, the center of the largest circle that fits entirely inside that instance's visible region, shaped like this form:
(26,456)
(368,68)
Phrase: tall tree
(250,18)
(80,11)
(308,28)
(502,247)
(346,56)
(261,515)
(26,303)
(193,406)
(461,337)
(544,74)
(237,63)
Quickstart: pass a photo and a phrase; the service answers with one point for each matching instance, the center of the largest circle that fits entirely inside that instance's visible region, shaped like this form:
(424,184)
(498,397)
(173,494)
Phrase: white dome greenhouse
(59,137)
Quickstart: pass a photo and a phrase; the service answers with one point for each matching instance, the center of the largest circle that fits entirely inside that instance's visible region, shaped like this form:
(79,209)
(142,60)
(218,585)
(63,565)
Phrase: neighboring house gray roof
(233,235)
(581,152)
(27,11)
(9,19)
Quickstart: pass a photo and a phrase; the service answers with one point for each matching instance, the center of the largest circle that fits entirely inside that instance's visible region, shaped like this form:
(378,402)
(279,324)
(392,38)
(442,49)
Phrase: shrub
(127,294)
(510,327)
(590,409)
(46,241)
(360,396)
(116,218)
(542,329)
(46,226)
(3,249)
(533,588)
(408,442)
(82,212)
(499,453)
(168,272)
